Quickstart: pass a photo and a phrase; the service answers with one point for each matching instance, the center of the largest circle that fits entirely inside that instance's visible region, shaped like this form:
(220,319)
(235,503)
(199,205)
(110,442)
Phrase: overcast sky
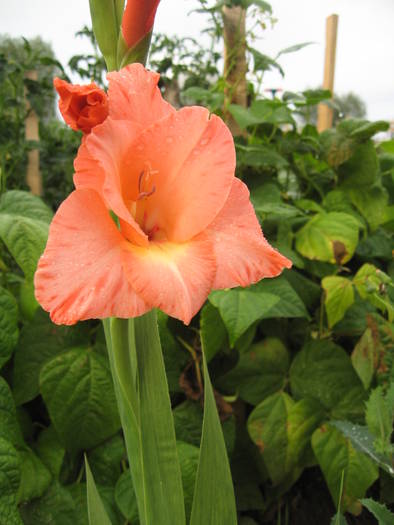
(365,51)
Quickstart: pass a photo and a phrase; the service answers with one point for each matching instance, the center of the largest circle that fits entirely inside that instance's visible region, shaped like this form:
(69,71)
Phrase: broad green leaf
(24,204)
(56,506)
(25,238)
(105,460)
(330,237)
(362,167)
(96,510)
(35,477)
(323,371)
(188,459)
(281,429)
(9,427)
(335,453)
(379,510)
(212,331)
(262,156)
(363,441)
(267,428)
(213,500)
(377,245)
(270,298)
(364,130)
(338,147)
(308,291)
(241,307)
(260,371)
(371,203)
(72,385)
(261,111)
(355,321)
(28,304)
(50,450)
(39,342)
(125,497)
(371,284)
(379,418)
(9,483)
(8,325)
(338,298)
(365,356)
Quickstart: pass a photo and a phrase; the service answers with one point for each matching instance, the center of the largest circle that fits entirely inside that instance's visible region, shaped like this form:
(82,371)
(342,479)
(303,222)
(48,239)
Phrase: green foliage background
(302,365)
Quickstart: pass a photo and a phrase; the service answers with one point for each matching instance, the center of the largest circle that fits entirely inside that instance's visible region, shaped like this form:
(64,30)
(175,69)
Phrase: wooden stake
(33,175)
(235,66)
(325,113)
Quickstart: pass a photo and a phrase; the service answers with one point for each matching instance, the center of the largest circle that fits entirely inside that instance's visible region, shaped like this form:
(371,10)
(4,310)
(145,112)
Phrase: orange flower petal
(190,160)
(133,95)
(98,166)
(243,256)
(80,275)
(174,277)
(82,107)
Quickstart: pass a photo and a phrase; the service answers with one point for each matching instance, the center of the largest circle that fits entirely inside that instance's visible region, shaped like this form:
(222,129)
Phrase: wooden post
(235,66)
(33,175)
(325,113)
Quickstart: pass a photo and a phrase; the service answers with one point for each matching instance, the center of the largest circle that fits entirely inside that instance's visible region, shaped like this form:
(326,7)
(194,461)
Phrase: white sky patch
(365,52)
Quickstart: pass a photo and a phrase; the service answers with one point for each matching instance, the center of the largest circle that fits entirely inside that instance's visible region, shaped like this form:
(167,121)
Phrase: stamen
(145,194)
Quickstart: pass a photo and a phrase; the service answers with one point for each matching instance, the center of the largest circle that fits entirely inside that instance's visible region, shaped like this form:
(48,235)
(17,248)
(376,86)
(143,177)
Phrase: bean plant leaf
(270,298)
(125,497)
(35,477)
(339,297)
(260,371)
(379,418)
(335,453)
(241,307)
(323,371)
(56,506)
(281,429)
(25,204)
(72,385)
(8,325)
(25,238)
(365,357)
(39,342)
(362,167)
(213,332)
(188,459)
(330,237)
(50,450)
(379,510)
(371,202)
(9,427)
(363,440)
(106,459)
(9,483)
(96,510)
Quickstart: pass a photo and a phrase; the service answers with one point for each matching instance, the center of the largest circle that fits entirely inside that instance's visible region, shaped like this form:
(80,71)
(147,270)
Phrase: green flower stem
(141,389)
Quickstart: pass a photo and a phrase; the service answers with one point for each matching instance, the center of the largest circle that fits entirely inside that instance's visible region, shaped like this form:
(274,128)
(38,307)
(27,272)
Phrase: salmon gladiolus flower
(82,107)
(185,224)
(138,19)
